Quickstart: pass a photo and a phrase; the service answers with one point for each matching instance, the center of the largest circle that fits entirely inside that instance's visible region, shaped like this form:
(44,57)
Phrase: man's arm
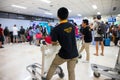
(2,32)
(54,37)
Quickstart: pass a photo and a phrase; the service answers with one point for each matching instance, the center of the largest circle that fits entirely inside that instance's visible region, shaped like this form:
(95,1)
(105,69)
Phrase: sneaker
(1,47)
(80,56)
(38,45)
(85,61)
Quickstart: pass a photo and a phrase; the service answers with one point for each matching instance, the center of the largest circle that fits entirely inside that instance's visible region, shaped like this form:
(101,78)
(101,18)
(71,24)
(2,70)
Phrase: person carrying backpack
(99,28)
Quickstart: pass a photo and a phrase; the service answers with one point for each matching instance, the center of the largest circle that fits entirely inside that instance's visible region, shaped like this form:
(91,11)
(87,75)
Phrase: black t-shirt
(6,32)
(87,34)
(64,33)
(22,31)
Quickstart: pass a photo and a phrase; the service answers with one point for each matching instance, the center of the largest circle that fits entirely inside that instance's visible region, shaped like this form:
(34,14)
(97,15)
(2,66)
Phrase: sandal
(102,54)
(96,54)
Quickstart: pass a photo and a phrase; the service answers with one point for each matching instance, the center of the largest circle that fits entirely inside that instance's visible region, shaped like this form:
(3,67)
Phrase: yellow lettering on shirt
(68,30)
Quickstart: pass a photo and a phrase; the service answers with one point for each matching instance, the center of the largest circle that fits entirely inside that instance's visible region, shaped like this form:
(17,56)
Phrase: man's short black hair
(86,21)
(0,25)
(98,17)
(62,13)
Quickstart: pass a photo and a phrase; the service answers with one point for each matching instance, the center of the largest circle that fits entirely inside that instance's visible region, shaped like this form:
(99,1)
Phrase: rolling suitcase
(107,42)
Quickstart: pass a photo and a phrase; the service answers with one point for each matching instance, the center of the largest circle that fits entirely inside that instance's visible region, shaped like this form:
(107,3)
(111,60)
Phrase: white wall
(10,23)
(25,23)
(78,20)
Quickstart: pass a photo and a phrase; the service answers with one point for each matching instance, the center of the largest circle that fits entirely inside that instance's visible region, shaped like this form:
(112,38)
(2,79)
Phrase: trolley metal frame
(34,69)
(113,73)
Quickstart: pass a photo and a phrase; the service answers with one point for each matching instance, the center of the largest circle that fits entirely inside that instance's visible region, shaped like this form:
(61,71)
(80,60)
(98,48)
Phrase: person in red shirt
(1,36)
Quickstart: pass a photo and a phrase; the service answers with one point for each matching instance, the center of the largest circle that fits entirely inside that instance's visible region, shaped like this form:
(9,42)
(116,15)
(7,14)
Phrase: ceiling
(83,7)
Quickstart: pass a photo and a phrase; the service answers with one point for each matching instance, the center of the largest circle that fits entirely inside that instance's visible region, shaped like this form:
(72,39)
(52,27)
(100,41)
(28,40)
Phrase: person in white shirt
(15,34)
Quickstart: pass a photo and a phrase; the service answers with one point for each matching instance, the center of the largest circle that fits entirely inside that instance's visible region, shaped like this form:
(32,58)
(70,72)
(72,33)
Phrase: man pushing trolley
(39,71)
(64,35)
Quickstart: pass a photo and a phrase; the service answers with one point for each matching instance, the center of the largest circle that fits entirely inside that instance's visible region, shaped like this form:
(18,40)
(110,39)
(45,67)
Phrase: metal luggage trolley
(34,69)
(113,73)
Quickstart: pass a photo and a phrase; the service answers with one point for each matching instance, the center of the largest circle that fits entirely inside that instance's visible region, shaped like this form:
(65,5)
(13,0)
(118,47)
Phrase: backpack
(101,28)
(22,31)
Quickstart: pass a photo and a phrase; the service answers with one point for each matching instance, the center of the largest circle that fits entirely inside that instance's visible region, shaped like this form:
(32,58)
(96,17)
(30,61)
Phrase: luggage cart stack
(39,71)
(113,73)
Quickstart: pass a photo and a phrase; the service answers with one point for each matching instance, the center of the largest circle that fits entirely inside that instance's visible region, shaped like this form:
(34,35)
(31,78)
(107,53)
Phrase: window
(13,16)
(3,15)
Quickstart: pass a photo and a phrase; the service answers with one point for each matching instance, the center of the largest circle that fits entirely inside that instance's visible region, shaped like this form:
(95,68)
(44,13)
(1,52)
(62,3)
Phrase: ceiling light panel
(94,6)
(119,15)
(98,13)
(46,1)
(69,10)
(79,15)
(18,6)
(48,13)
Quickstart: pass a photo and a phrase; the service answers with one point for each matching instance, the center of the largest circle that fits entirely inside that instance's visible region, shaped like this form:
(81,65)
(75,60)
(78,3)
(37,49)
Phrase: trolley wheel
(96,74)
(33,72)
(61,75)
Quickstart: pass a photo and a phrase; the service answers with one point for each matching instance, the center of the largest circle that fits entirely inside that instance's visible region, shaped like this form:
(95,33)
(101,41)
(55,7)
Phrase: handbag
(48,39)
(38,36)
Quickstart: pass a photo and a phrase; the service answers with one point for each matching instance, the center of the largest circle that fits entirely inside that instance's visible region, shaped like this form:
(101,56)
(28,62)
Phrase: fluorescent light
(79,15)
(85,18)
(17,6)
(46,1)
(98,13)
(119,15)
(69,10)
(94,6)
(48,13)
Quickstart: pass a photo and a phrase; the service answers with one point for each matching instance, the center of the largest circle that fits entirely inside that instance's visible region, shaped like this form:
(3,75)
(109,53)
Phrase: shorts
(15,36)
(98,39)
(1,38)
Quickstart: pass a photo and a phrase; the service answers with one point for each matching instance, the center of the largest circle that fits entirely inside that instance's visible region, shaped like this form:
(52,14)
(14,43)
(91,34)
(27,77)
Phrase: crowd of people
(110,31)
(33,35)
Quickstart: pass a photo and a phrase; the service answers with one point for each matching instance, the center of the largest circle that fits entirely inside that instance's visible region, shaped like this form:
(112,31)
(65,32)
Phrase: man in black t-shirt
(64,34)
(87,39)
(22,34)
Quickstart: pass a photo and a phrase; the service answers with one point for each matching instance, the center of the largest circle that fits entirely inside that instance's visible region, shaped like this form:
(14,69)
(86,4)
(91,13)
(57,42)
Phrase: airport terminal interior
(27,39)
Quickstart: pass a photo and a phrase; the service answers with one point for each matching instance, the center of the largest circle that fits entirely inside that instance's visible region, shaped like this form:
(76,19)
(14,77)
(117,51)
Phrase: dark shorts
(1,38)
(98,38)
(15,36)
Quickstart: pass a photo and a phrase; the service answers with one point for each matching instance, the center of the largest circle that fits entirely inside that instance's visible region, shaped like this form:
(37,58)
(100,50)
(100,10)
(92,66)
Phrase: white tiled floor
(15,57)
